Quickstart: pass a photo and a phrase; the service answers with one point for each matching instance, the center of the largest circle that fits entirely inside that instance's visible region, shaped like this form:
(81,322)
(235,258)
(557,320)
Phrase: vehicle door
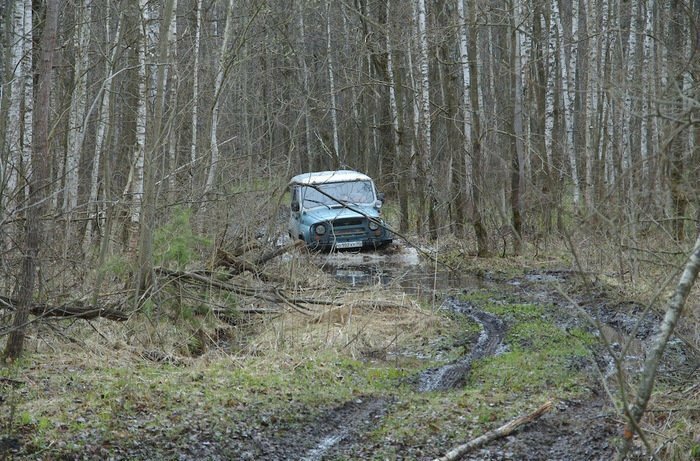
(294,212)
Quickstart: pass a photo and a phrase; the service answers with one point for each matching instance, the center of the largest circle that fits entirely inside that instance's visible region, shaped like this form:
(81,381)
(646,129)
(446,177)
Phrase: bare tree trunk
(195,93)
(674,311)
(37,177)
(477,220)
(539,158)
(468,180)
(12,149)
(224,58)
(172,96)
(145,253)
(308,162)
(591,106)
(414,167)
(27,75)
(76,122)
(568,66)
(429,195)
(516,172)
(674,140)
(137,167)
(103,122)
(331,85)
(401,164)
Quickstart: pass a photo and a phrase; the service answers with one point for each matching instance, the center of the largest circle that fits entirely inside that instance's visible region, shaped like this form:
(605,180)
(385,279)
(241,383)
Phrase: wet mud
(574,430)
(488,343)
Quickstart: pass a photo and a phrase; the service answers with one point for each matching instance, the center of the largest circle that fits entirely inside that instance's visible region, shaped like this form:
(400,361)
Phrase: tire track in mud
(490,341)
(345,422)
(356,416)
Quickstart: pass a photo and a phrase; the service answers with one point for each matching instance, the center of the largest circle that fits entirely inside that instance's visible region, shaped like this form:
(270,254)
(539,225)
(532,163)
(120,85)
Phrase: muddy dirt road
(574,430)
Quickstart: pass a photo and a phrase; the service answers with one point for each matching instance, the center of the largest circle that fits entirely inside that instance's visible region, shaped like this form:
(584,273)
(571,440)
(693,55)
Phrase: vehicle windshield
(335,194)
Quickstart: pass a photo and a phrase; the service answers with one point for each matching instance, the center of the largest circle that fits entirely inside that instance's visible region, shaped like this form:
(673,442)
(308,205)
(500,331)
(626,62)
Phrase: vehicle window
(338,193)
(295,195)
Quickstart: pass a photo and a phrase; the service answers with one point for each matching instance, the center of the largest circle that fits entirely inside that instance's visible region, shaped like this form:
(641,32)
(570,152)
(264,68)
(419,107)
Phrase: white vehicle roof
(319,177)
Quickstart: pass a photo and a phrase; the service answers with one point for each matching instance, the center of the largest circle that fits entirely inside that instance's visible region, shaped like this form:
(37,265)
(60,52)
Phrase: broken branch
(503,431)
(75,310)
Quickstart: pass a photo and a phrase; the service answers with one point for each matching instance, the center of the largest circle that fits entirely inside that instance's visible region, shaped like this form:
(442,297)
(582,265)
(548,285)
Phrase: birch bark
(27,73)
(331,86)
(12,150)
(102,124)
(137,189)
(429,194)
(224,58)
(568,75)
(195,92)
(76,122)
(401,164)
(172,94)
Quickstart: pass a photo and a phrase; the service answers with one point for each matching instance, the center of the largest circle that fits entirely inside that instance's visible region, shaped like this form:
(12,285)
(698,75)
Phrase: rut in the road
(353,415)
(491,337)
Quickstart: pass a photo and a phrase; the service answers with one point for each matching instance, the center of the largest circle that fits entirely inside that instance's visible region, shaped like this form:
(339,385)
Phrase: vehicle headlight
(320,229)
(373,225)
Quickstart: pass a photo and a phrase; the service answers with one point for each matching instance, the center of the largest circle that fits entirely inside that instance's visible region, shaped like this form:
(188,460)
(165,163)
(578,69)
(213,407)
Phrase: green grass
(117,397)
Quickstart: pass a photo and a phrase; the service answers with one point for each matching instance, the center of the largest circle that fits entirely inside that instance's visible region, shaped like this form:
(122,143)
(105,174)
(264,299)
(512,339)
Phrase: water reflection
(403,271)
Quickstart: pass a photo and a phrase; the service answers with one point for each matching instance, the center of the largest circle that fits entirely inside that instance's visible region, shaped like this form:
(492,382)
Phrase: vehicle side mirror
(380,200)
(295,207)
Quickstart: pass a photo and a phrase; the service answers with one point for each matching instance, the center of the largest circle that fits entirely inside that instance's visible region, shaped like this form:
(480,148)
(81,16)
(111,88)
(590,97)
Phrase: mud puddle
(401,269)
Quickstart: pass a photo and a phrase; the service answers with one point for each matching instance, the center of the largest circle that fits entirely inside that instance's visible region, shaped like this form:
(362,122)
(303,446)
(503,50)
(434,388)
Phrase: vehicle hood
(325,214)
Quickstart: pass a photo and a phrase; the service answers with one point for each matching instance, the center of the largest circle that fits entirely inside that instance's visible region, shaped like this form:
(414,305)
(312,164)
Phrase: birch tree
(76,119)
(194,114)
(225,57)
(331,87)
(401,165)
(566,37)
(103,123)
(137,167)
(27,76)
(12,149)
(171,79)
(429,195)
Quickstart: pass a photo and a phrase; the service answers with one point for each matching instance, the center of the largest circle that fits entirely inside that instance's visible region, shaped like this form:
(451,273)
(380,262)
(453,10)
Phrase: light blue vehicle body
(336,210)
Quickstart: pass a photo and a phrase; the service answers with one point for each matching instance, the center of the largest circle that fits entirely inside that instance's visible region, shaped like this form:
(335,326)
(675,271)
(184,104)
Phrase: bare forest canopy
(487,120)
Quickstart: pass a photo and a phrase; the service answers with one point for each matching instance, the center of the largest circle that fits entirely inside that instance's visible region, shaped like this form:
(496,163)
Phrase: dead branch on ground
(236,264)
(503,431)
(74,309)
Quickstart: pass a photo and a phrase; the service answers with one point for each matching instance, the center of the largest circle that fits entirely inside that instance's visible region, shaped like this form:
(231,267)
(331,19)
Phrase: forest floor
(460,357)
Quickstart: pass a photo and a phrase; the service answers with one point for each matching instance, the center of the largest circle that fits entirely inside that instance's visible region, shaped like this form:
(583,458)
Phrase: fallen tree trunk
(235,263)
(503,431)
(270,293)
(73,310)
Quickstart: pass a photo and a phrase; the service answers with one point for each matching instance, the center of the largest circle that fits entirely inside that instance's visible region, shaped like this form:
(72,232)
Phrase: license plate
(348,244)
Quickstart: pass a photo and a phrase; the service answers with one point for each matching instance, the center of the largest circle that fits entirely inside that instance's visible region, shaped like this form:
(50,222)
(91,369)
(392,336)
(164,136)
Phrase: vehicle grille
(349,227)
